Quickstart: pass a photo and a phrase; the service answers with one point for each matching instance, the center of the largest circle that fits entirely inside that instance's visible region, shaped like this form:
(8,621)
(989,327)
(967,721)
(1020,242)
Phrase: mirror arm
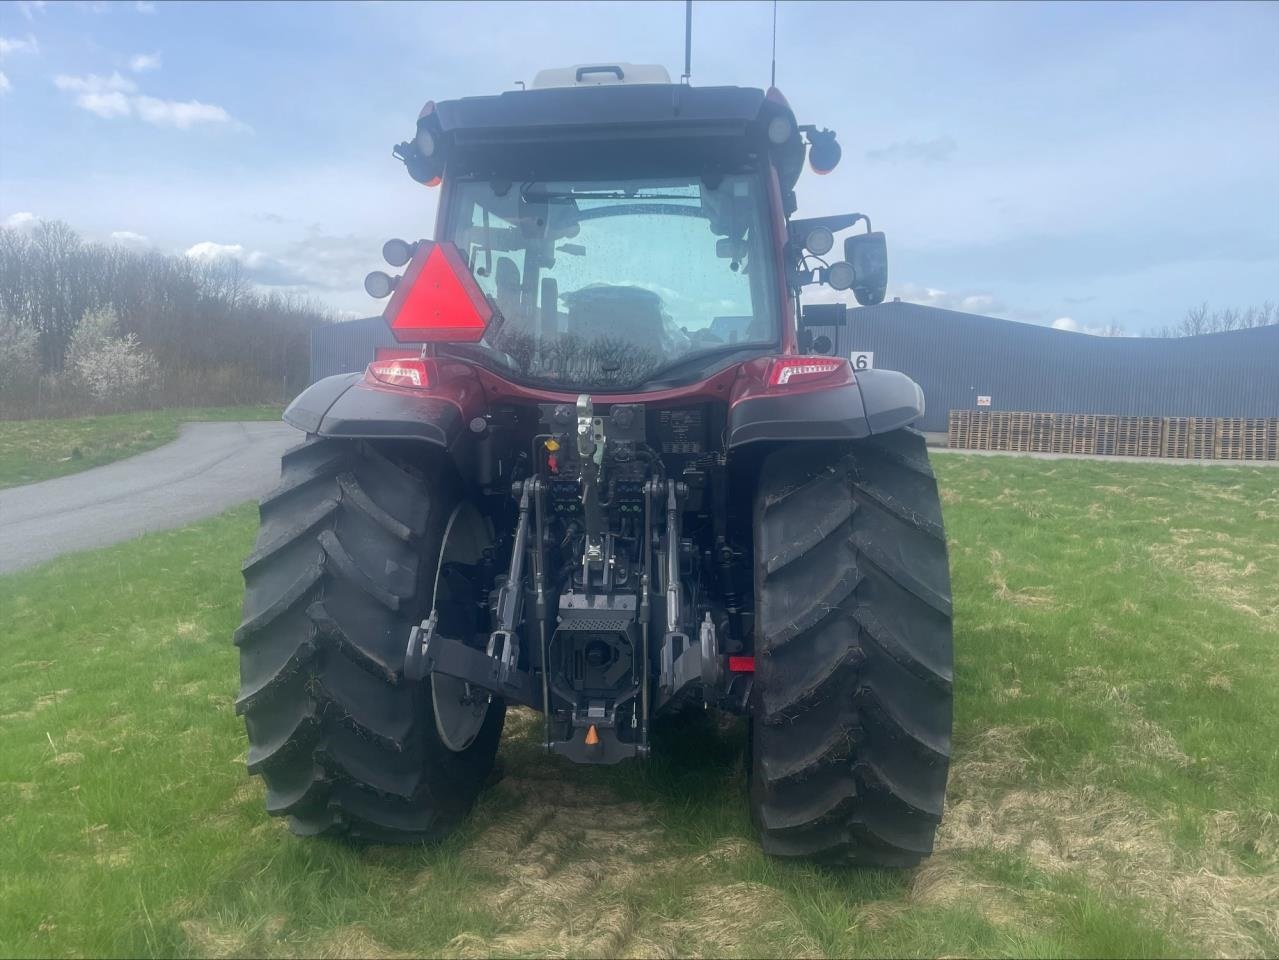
(800,229)
(797,230)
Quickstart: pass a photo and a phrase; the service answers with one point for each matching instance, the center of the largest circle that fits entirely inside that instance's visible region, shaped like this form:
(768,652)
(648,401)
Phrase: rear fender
(875,401)
(356,406)
(890,400)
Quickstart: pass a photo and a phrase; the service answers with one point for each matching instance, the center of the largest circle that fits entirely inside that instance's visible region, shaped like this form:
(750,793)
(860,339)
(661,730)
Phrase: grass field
(32,450)
(1114,792)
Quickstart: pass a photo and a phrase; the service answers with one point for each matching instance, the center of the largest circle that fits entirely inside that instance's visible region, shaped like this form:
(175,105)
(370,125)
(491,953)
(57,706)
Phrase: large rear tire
(852,714)
(344,566)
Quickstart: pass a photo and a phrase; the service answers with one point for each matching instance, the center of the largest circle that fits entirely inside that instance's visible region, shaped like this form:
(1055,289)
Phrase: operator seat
(617,313)
(506,280)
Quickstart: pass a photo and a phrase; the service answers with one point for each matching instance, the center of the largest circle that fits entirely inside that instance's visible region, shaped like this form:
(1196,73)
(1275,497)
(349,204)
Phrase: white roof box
(595,74)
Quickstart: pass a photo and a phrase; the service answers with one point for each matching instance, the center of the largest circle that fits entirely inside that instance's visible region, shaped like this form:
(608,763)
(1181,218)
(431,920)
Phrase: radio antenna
(772,77)
(688,40)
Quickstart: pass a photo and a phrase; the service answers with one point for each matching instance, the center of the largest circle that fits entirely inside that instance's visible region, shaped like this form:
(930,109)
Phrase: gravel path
(209,468)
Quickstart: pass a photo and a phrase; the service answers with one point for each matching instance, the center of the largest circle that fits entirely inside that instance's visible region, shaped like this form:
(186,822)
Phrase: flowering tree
(115,370)
(19,362)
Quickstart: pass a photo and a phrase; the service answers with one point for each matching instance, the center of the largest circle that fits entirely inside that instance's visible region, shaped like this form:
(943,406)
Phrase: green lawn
(32,450)
(1114,792)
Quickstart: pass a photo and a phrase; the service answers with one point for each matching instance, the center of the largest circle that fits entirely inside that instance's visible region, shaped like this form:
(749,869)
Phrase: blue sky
(1086,164)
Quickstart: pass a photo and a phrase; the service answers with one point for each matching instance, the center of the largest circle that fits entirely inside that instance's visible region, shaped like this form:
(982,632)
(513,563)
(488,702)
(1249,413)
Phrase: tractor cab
(628,233)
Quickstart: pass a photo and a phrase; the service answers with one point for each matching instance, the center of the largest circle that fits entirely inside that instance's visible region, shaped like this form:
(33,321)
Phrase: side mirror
(728,248)
(824,315)
(868,254)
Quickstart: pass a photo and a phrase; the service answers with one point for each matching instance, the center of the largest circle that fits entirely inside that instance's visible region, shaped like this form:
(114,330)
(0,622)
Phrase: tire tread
(853,686)
(341,570)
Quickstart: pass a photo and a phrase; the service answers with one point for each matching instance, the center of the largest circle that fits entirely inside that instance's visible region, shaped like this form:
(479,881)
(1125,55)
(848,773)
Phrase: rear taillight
(402,373)
(790,371)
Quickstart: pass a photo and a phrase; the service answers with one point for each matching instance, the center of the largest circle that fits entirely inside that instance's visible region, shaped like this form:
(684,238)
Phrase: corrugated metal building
(958,357)
(347,347)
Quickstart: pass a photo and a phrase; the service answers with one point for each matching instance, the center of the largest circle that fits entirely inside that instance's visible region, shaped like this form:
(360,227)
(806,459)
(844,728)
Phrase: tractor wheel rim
(459,709)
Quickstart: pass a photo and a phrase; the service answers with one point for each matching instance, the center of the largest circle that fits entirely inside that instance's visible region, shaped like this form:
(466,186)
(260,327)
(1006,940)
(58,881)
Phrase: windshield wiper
(663,375)
(567,196)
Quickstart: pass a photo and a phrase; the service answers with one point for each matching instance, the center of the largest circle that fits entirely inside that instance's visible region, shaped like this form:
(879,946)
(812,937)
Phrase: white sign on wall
(983,401)
(863,359)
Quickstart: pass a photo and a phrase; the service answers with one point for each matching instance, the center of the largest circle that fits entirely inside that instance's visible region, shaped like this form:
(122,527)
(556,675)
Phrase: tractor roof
(645,120)
(614,107)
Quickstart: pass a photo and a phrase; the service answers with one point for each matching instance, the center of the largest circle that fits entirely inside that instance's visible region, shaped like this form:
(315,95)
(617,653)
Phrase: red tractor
(613,475)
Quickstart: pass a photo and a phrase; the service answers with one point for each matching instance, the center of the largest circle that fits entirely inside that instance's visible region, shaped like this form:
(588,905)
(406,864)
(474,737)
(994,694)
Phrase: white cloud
(175,210)
(113,103)
(127,238)
(915,151)
(142,62)
(986,304)
(209,250)
(977,302)
(10,45)
(30,8)
(259,267)
(180,114)
(1071,325)
(104,96)
(20,220)
(92,83)
(144,6)
(117,96)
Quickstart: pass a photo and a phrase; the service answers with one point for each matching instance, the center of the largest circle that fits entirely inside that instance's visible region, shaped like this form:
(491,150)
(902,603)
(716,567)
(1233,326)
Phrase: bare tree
(1203,319)
(215,338)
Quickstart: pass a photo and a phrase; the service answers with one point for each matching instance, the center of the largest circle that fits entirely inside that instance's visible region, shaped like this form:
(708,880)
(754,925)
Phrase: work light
(397,252)
(378,285)
(819,241)
(839,275)
(425,141)
(780,130)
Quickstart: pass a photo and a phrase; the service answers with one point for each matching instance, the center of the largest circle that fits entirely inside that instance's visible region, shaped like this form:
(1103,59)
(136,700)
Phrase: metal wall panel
(347,347)
(958,357)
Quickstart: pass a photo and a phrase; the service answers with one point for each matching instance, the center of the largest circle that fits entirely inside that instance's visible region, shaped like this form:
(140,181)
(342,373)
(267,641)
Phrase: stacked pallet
(1202,442)
(1063,433)
(1104,438)
(1260,440)
(1043,433)
(1084,436)
(1138,437)
(1200,438)
(1021,431)
(1230,435)
(1176,438)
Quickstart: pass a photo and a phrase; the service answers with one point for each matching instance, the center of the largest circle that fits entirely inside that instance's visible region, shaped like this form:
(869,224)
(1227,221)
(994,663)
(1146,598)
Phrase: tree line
(1204,319)
(162,330)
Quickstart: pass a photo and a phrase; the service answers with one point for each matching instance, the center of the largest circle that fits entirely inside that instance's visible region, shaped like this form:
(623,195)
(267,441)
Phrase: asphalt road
(210,467)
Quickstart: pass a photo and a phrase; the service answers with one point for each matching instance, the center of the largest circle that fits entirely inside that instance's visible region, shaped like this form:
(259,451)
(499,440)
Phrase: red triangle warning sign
(437,300)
